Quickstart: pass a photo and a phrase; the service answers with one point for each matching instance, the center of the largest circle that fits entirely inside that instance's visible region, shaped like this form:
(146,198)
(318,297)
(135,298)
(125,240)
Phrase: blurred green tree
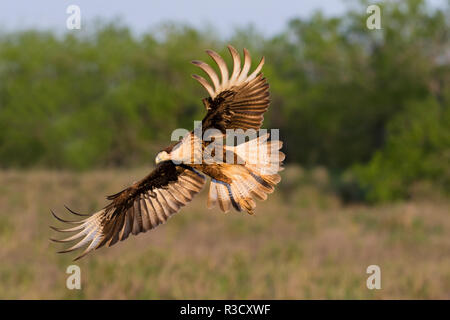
(372,104)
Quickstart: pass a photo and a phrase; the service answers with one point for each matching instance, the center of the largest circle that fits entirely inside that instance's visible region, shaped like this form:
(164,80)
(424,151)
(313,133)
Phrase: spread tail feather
(256,178)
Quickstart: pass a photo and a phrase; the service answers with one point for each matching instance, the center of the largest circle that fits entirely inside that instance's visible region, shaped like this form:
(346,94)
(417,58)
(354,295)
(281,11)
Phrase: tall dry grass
(301,244)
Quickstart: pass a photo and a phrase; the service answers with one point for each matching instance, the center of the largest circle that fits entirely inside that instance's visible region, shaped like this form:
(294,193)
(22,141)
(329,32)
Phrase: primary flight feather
(236,101)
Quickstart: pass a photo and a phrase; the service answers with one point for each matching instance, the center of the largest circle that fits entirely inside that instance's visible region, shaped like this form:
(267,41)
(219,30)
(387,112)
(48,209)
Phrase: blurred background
(364,116)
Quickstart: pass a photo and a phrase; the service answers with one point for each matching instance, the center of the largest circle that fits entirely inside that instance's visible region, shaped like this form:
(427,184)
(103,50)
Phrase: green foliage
(417,148)
(96,100)
(370,103)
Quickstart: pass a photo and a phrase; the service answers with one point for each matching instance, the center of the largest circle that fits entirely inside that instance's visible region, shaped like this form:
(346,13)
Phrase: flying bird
(236,101)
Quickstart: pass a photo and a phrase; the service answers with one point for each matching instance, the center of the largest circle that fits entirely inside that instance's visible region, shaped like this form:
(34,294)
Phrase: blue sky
(268,16)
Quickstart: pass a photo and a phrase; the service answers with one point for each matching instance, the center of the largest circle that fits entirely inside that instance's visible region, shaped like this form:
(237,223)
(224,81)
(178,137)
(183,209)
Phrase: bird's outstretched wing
(237,101)
(136,209)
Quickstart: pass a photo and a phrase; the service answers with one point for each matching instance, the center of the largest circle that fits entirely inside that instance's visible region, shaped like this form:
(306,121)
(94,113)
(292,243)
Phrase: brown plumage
(237,101)
(138,208)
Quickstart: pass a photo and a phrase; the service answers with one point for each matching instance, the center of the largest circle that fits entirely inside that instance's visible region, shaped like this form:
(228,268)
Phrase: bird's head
(162,156)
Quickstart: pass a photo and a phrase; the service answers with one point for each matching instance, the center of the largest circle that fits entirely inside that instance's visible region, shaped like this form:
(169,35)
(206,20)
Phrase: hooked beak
(162,156)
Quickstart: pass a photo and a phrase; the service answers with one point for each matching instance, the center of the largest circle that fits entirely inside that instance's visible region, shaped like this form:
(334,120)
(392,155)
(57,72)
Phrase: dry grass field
(301,244)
